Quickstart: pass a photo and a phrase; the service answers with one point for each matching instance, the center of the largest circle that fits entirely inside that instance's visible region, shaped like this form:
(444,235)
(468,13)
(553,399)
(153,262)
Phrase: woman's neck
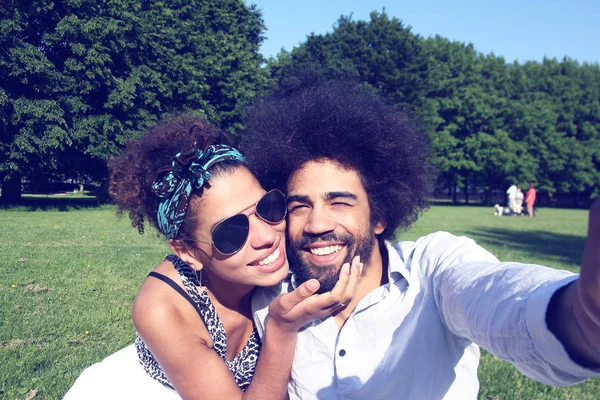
(232,296)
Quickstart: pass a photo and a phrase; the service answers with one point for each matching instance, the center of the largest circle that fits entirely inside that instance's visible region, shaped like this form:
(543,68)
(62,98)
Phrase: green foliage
(491,123)
(382,53)
(82,77)
(531,123)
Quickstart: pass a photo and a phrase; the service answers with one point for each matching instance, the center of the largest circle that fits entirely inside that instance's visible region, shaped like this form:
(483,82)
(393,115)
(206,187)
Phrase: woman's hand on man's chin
(289,312)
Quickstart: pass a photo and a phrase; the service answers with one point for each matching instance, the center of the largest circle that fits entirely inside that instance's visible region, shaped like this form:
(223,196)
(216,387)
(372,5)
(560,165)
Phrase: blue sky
(517,30)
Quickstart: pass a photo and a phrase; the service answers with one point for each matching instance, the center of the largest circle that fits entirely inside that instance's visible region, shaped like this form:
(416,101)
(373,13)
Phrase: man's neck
(374,276)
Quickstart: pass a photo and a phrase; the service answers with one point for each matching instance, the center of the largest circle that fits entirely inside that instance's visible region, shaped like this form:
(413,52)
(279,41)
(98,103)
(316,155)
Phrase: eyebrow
(298,198)
(328,196)
(337,195)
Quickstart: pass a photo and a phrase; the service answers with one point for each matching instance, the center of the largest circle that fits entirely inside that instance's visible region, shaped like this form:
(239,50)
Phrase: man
(530,200)
(354,170)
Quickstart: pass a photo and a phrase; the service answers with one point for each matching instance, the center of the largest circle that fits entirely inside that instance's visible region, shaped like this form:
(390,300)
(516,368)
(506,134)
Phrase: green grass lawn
(69,277)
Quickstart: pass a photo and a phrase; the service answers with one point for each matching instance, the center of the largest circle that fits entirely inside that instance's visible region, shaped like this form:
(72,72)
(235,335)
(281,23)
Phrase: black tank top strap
(177,288)
(184,269)
(205,308)
(242,366)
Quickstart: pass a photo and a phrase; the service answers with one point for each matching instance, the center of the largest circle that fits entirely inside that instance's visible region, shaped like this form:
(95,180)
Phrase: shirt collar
(396,267)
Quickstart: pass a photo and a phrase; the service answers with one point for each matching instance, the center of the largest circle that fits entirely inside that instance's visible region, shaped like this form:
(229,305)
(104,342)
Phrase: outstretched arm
(501,307)
(574,312)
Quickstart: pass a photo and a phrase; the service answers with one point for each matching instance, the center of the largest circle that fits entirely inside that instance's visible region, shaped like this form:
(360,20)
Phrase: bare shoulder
(158,309)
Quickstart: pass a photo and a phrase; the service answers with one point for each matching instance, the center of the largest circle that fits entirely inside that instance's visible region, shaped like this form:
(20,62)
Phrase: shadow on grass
(558,246)
(53,204)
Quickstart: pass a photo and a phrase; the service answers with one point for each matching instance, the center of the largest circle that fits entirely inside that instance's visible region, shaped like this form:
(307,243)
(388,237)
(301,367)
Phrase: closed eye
(295,208)
(341,204)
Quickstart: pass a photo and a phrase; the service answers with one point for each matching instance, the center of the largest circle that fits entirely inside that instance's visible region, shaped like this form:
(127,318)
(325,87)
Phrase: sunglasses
(230,235)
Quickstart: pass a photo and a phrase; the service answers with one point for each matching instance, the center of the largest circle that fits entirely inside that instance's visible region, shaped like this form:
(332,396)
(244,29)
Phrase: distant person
(519,202)
(530,200)
(511,195)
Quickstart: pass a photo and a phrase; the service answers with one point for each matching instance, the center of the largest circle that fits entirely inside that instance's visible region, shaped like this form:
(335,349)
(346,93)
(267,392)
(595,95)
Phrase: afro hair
(310,119)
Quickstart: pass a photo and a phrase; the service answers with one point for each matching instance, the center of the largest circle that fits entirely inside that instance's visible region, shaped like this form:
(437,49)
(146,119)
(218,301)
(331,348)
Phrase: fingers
(344,289)
(302,306)
(594,221)
(355,274)
(287,301)
(590,267)
(336,297)
(589,281)
(350,286)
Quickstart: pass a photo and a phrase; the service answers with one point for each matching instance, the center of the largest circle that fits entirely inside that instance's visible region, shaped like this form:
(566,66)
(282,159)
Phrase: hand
(291,311)
(589,281)
(584,298)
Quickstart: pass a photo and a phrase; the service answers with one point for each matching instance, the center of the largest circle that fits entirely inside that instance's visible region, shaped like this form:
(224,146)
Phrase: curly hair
(134,171)
(311,119)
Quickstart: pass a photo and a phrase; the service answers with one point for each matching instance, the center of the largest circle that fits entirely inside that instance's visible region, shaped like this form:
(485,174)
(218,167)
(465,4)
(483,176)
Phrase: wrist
(277,332)
(562,320)
(587,326)
(587,350)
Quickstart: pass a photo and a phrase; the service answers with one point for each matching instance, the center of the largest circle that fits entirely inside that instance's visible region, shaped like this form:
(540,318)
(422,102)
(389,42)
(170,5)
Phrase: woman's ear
(185,253)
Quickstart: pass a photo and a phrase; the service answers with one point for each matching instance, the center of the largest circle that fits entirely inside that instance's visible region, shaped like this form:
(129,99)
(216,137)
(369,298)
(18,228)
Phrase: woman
(192,314)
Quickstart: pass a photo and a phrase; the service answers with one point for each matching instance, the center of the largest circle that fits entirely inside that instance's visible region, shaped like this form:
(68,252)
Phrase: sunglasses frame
(212,243)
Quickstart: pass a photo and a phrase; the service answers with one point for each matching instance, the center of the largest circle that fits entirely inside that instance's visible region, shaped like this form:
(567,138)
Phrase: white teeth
(323,251)
(274,256)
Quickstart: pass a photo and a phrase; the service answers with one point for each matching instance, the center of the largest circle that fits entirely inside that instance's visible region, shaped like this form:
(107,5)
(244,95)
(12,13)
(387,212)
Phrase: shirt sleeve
(500,306)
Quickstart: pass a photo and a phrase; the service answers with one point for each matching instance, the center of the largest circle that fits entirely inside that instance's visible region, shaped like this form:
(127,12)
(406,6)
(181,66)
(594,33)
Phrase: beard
(327,275)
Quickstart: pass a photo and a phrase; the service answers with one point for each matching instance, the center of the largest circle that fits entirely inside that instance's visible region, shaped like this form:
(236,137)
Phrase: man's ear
(185,253)
(379,227)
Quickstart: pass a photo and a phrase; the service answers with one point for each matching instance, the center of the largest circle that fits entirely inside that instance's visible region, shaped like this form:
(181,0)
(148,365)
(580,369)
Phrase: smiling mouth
(270,258)
(325,251)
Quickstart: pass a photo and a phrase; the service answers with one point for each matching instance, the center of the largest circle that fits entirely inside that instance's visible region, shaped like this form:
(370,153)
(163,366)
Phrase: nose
(319,222)
(261,233)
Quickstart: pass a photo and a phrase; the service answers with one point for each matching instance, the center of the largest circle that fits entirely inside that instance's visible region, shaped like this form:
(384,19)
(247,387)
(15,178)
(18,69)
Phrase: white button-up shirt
(417,336)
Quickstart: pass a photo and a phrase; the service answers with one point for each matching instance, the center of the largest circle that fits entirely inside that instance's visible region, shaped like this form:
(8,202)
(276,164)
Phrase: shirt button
(342,353)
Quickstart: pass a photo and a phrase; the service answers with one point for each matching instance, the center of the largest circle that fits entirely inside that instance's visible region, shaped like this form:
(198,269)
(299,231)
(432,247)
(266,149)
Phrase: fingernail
(346,268)
(313,284)
(361,266)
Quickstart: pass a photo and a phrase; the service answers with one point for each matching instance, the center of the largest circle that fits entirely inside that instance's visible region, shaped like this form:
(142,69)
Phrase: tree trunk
(466,192)
(454,201)
(11,188)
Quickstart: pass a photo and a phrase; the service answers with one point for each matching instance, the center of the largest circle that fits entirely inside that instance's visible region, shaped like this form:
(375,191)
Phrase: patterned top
(242,366)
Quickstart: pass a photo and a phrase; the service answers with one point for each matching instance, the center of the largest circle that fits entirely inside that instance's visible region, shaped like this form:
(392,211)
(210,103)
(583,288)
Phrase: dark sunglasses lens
(271,207)
(230,235)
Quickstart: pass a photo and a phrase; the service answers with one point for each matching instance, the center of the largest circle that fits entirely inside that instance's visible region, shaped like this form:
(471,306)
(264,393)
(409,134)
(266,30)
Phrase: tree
(555,110)
(82,77)
(491,123)
(382,53)
(454,91)
(205,53)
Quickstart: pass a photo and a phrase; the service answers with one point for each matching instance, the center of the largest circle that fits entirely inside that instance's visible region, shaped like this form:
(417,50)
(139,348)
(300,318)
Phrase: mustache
(305,241)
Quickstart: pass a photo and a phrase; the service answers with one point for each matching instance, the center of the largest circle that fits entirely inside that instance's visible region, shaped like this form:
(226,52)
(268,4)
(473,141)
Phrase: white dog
(502,210)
